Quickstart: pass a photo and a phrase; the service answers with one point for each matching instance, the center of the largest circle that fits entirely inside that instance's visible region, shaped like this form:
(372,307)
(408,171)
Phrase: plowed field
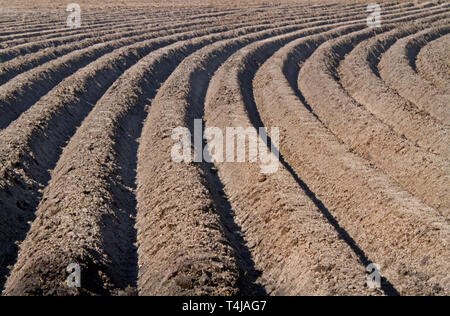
(87,177)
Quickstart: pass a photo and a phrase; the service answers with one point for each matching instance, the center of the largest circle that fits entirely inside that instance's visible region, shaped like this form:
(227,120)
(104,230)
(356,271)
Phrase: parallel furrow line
(24,90)
(12,52)
(113,23)
(23,63)
(27,156)
(418,171)
(177,104)
(358,75)
(98,214)
(25,93)
(42,43)
(393,228)
(291,243)
(433,63)
(397,68)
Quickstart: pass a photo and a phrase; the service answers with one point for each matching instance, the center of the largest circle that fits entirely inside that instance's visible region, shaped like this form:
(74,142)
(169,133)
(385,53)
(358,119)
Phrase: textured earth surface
(86,174)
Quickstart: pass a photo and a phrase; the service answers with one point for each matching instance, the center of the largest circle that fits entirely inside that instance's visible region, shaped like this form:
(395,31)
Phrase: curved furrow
(34,46)
(397,68)
(64,30)
(433,63)
(56,24)
(109,15)
(177,104)
(107,27)
(24,24)
(161,204)
(120,16)
(353,7)
(96,218)
(24,90)
(91,178)
(10,53)
(22,172)
(60,30)
(91,17)
(165,220)
(359,76)
(27,61)
(54,37)
(24,58)
(26,157)
(23,27)
(391,227)
(292,244)
(35,83)
(20,64)
(422,173)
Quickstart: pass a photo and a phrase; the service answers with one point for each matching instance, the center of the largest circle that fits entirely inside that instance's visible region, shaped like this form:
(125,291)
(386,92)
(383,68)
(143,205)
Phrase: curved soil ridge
(397,68)
(433,63)
(359,76)
(417,170)
(360,196)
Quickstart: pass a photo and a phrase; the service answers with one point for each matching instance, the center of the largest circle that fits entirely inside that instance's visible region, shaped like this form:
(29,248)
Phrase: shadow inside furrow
(247,282)
(38,88)
(248,273)
(21,199)
(246,80)
(127,147)
(413,48)
(384,45)
(16,211)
